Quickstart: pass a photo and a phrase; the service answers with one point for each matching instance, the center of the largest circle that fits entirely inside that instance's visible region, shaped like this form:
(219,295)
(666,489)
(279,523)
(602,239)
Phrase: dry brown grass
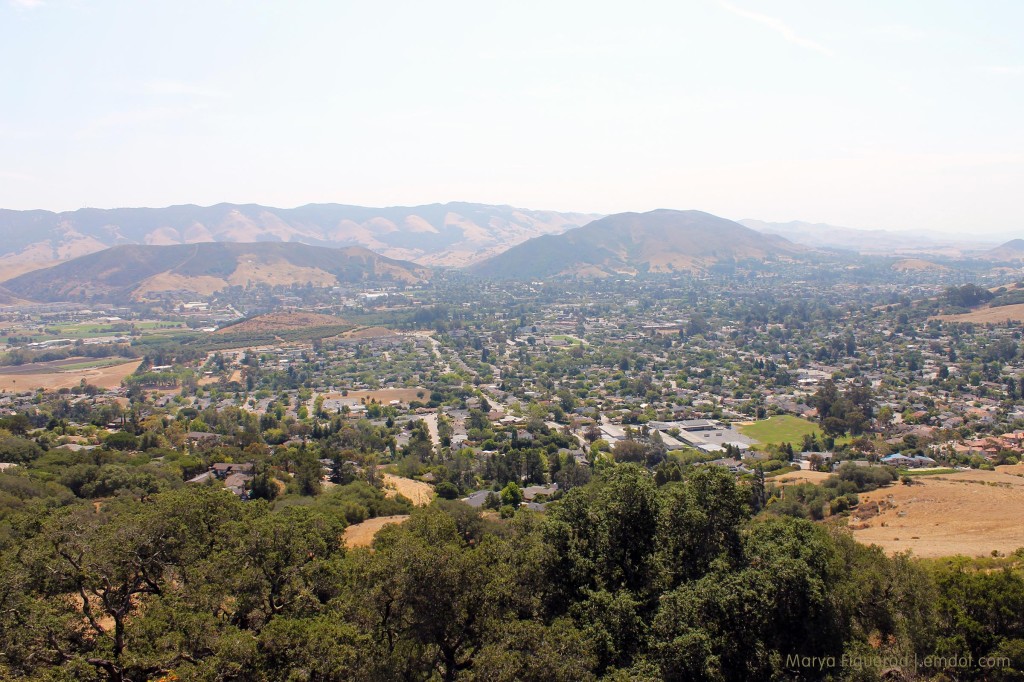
(11,266)
(201,285)
(917,264)
(799,477)
(273,322)
(420,493)
(362,534)
(383,395)
(969,512)
(1012,469)
(1005,313)
(53,378)
(368,333)
(277,272)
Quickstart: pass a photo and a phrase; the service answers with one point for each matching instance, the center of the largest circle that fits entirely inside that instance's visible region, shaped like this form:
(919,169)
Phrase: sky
(872,114)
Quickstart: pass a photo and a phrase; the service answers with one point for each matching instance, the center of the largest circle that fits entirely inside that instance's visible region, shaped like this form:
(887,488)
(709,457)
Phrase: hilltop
(282,321)
(137,272)
(1011,251)
(659,241)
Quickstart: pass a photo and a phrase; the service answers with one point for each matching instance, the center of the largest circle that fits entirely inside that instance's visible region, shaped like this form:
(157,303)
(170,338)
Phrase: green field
(930,472)
(571,340)
(781,429)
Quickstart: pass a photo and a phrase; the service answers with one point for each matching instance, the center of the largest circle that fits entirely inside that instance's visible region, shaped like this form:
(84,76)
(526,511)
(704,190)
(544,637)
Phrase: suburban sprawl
(748,470)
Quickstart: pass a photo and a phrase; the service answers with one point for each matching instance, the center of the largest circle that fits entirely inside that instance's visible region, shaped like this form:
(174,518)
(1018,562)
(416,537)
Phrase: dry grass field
(800,477)
(383,395)
(969,512)
(1011,313)
(368,333)
(362,534)
(420,493)
(274,322)
(917,264)
(51,376)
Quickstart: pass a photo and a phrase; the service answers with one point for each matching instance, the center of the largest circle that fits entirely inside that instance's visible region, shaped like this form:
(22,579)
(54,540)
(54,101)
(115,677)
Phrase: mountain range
(137,272)
(257,245)
(451,234)
(631,243)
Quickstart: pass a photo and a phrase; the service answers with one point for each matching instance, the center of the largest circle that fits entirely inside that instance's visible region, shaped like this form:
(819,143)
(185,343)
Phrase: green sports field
(781,429)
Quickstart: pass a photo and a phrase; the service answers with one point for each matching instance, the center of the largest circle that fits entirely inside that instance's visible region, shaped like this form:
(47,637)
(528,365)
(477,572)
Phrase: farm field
(92,330)
(970,512)
(66,374)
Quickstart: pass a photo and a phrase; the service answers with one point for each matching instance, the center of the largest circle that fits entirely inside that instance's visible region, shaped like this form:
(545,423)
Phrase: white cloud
(779,26)
(27,4)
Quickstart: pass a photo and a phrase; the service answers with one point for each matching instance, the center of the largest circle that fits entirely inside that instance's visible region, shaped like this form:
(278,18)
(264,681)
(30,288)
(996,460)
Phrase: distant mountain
(869,242)
(1011,251)
(138,272)
(437,234)
(631,243)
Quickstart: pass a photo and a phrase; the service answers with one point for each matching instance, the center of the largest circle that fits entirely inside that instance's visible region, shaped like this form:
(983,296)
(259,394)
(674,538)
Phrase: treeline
(623,579)
(23,356)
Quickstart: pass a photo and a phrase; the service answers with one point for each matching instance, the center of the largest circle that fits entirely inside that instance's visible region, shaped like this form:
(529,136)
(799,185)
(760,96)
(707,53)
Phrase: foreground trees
(623,579)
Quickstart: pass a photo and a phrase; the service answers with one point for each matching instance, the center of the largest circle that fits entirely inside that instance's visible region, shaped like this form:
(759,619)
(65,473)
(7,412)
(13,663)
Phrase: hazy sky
(875,114)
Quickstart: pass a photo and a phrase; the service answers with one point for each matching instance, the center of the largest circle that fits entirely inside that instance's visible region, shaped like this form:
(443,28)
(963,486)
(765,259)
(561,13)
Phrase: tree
(511,495)
(263,486)
(447,490)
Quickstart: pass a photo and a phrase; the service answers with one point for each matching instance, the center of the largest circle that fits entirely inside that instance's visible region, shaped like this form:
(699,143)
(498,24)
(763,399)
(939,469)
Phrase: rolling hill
(632,243)
(139,272)
(1010,252)
(437,234)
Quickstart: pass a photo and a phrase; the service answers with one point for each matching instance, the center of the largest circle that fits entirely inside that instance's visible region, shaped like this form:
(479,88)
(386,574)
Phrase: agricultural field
(103,373)
(36,333)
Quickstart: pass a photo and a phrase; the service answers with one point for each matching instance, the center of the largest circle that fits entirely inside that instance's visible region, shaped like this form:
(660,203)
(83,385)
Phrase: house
(224,469)
(908,461)
(237,483)
(532,491)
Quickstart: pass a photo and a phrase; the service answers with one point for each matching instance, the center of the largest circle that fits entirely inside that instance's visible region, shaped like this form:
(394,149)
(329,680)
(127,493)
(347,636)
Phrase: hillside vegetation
(138,272)
(624,579)
(631,243)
